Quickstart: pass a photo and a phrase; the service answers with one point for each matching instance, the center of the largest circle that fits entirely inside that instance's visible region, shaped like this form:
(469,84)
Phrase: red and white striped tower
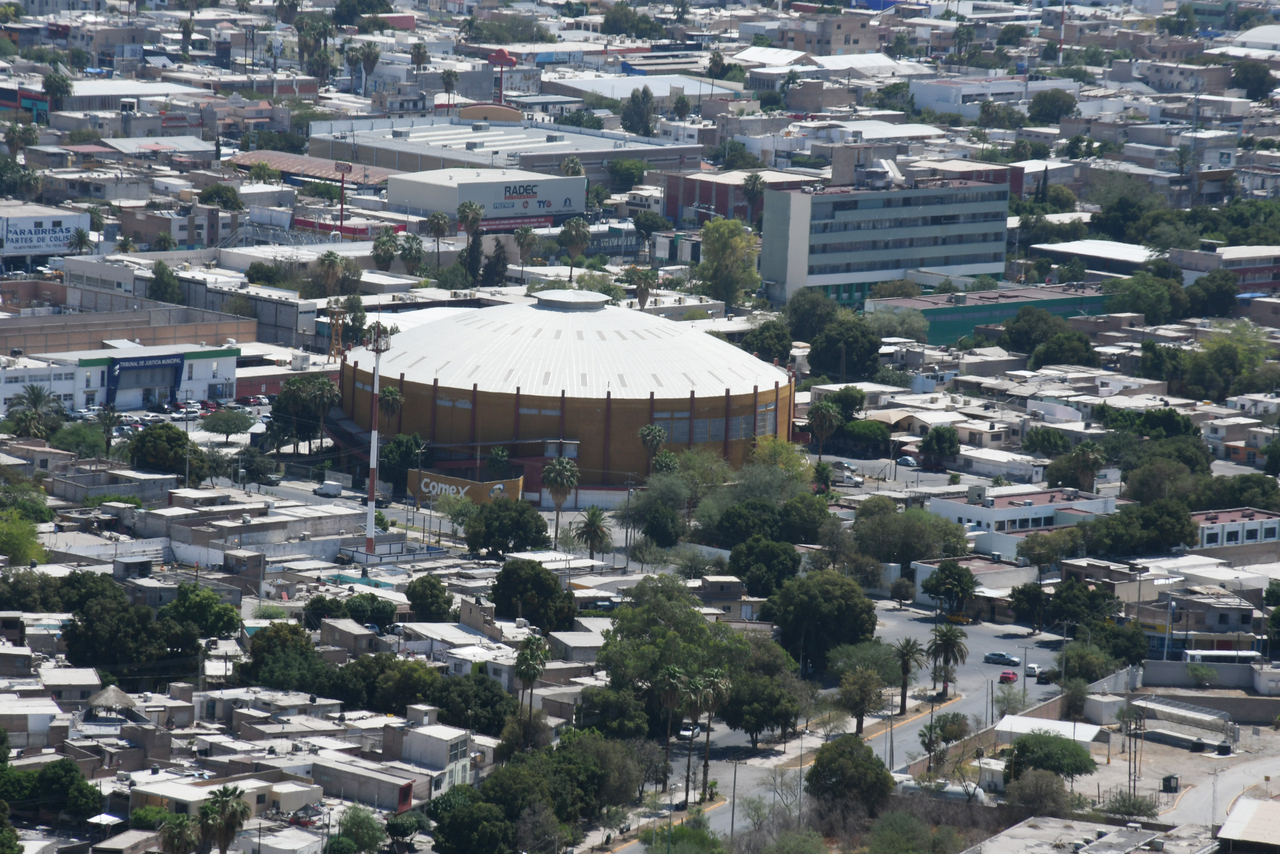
(379,343)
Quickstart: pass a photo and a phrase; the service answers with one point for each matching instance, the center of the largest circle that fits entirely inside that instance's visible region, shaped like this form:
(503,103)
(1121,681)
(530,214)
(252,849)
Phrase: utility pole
(1025,662)
(379,343)
(733,802)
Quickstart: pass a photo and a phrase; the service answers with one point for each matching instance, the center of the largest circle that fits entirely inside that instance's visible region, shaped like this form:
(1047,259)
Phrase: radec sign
(427,486)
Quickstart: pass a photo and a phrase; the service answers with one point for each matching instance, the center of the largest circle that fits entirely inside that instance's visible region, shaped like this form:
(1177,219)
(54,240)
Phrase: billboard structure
(426,486)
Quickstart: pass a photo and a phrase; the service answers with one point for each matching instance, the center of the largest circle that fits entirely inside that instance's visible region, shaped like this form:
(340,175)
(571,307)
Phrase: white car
(186,415)
(689,733)
(151,418)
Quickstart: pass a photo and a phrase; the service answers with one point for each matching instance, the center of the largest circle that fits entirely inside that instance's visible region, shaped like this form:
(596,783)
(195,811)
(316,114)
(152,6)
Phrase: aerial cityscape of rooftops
(710,427)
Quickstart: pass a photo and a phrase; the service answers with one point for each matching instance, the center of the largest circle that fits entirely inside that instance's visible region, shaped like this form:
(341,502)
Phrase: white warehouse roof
(572,341)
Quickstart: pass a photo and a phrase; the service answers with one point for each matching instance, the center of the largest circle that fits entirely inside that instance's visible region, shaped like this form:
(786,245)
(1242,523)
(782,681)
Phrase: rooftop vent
(474,144)
(399,133)
(555,137)
(479,127)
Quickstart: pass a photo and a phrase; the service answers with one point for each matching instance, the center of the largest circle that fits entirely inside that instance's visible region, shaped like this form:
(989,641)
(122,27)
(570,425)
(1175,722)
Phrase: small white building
(992,462)
(37,231)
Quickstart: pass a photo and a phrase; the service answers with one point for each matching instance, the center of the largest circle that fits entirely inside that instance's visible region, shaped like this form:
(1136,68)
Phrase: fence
(1162,799)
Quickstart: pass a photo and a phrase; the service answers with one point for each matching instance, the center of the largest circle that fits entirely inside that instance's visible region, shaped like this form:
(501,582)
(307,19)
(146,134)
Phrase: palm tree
(389,401)
(367,55)
(164,242)
(233,811)
(329,266)
(124,244)
(470,215)
(716,685)
(449,80)
(1088,458)
(753,188)
(531,660)
(262,173)
(188,28)
(911,656)
(947,648)
(385,247)
(438,227)
(33,411)
(19,136)
(692,695)
(593,531)
(560,477)
(81,241)
(571,167)
(652,437)
(108,419)
(418,55)
(207,823)
(574,237)
(324,396)
(411,253)
(824,419)
(526,240)
(179,834)
(669,685)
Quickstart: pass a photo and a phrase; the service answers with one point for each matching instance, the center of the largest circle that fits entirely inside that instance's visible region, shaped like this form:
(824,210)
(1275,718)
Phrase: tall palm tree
(329,266)
(531,660)
(1088,458)
(418,55)
(669,684)
(560,476)
(910,655)
(207,823)
(448,82)
(571,167)
(438,227)
(470,215)
(593,531)
(34,411)
(948,649)
(824,419)
(188,28)
(232,811)
(575,237)
(716,685)
(179,834)
(324,396)
(108,419)
(81,241)
(526,240)
(653,438)
(19,136)
(753,189)
(692,696)
(411,253)
(389,401)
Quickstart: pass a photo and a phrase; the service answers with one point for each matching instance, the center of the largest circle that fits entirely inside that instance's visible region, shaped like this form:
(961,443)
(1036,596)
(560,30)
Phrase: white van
(329,489)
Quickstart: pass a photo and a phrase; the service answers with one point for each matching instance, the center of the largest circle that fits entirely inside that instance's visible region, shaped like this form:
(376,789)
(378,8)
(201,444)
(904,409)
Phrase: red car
(1008,677)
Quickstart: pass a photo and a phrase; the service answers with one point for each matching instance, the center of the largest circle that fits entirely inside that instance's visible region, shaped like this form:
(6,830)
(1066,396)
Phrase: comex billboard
(427,486)
(527,197)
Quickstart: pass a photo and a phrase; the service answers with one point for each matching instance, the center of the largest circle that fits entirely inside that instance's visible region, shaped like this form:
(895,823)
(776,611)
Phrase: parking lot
(190,416)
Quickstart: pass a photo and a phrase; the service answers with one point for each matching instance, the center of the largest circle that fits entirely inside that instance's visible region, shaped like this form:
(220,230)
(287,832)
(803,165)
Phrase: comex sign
(431,486)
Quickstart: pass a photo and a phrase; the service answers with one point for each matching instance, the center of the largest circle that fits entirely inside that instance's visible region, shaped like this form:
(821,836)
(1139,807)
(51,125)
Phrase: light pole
(379,343)
(1026,659)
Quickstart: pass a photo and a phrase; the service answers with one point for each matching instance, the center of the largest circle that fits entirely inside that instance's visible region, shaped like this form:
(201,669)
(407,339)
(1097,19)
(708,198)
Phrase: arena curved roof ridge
(544,350)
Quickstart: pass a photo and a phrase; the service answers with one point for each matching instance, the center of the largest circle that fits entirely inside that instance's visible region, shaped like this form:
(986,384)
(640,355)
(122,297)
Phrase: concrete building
(569,376)
(695,197)
(419,145)
(992,511)
(511,198)
(33,233)
(845,239)
(853,31)
(348,635)
(1240,535)
(952,316)
(965,95)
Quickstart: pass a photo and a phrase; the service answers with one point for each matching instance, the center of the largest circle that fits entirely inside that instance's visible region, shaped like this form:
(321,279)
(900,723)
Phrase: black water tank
(1197,746)
(1224,748)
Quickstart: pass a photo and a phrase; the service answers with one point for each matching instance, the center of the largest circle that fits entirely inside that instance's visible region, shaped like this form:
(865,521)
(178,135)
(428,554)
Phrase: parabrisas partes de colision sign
(428,485)
(22,237)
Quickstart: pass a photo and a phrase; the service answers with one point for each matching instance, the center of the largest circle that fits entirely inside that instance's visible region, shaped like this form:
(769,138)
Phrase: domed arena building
(568,376)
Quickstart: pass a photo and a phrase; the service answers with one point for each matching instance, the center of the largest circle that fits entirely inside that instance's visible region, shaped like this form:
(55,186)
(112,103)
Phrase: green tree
(846,349)
(824,420)
(227,422)
(1048,752)
(637,112)
(847,771)
(429,600)
(947,649)
(728,267)
(910,656)
(527,589)
(228,804)
(819,611)
(951,584)
(202,608)
(1065,348)
(165,447)
(763,564)
(385,248)
(809,312)
(1050,105)
(363,828)
(574,236)
(861,693)
(940,444)
(503,526)
(770,341)
(223,196)
(1254,77)
(593,531)
(1046,442)
(560,477)
(164,286)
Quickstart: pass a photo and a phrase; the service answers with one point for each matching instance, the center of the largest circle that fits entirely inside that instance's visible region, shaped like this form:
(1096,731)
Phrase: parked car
(959,619)
(1042,678)
(381,501)
(1008,677)
(186,415)
(237,407)
(907,461)
(689,733)
(245,400)
(151,418)
(1033,670)
(329,489)
(261,400)
(1001,658)
(270,480)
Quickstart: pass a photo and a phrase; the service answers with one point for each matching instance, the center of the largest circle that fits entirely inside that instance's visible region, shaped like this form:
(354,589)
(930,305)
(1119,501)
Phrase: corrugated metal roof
(585,353)
(312,167)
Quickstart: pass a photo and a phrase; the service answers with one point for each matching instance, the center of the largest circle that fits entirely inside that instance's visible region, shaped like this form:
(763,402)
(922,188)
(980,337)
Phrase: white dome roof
(571,341)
